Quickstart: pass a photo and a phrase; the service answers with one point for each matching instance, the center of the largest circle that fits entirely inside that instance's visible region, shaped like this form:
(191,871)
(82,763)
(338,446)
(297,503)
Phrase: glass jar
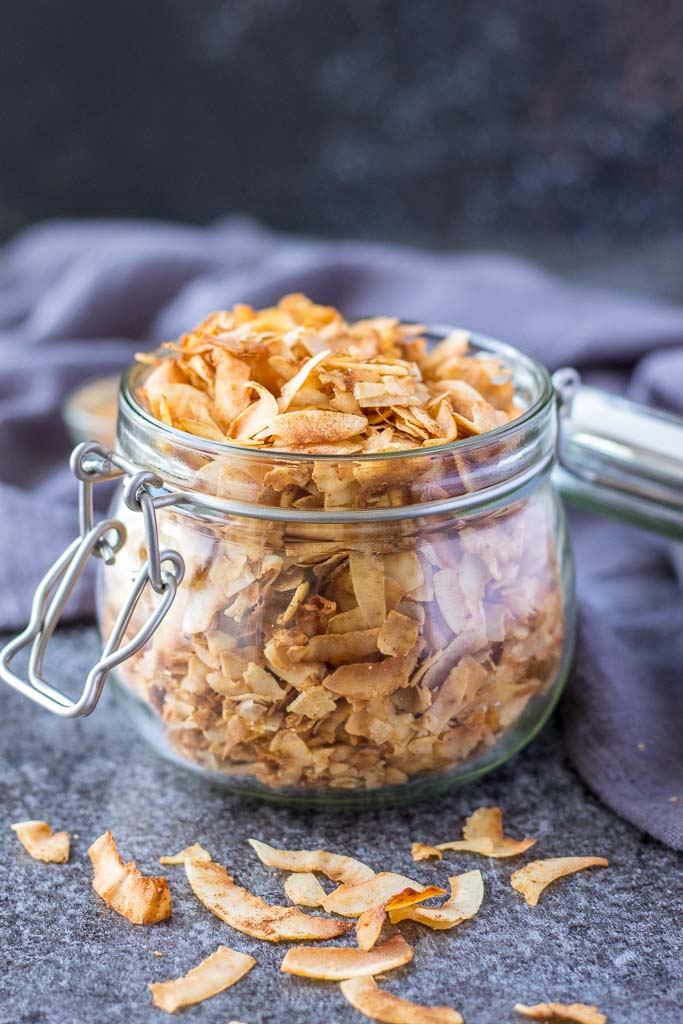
(337,629)
(349,625)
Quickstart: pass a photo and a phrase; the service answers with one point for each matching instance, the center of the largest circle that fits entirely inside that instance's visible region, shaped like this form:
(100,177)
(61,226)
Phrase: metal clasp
(619,458)
(163,570)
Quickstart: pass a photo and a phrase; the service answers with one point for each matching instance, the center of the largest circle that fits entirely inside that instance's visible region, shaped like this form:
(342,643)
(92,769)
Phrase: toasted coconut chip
(194,852)
(335,866)
(41,843)
(485,847)
(487,823)
(213,975)
(483,834)
(369,926)
(315,703)
(421,851)
(332,963)
(305,890)
(371,922)
(347,622)
(409,897)
(352,900)
(315,426)
(467,893)
(398,634)
(453,345)
(367,578)
(372,679)
(373,1002)
(580,1013)
(140,899)
(247,913)
(257,417)
(296,382)
(533,878)
(298,597)
(337,648)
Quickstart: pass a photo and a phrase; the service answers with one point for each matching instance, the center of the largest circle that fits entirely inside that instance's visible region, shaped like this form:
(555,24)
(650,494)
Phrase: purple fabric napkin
(78,299)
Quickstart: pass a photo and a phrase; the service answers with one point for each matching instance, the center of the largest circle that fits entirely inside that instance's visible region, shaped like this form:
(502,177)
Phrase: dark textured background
(430,121)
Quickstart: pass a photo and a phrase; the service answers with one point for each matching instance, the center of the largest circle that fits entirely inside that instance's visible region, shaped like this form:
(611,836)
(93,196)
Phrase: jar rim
(513,357)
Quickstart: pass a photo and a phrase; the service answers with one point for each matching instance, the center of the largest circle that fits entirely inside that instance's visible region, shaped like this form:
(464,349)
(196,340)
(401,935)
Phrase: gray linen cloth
(78,299)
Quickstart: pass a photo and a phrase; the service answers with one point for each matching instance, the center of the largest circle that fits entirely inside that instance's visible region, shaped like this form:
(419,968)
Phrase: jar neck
(452,483)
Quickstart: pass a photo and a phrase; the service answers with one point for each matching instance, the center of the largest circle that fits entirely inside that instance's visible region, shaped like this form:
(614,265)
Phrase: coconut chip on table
(353,900)
(534,877)
(368,998)
(215,974)
(41,843)
(370,923)
(194,852)
(139,898)
(482,834)
(563,1013)
(336,866)
(318,662)
(336,963)
(304,889)
(252,915)
(467,894)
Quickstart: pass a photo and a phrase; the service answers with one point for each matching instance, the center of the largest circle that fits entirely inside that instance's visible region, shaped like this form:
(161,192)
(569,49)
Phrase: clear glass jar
(341,630)
(349,628)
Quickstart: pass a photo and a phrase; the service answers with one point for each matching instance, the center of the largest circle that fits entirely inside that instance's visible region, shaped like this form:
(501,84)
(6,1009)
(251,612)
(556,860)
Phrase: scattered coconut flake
(41,842)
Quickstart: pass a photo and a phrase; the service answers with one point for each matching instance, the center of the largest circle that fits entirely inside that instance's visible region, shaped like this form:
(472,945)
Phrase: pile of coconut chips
(298,376)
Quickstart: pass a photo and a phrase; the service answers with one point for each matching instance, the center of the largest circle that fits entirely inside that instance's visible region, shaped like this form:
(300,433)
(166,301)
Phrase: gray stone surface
(606,936)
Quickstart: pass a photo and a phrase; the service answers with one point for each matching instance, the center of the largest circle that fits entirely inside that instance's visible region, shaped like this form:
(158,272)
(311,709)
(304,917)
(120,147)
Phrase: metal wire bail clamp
(91,463)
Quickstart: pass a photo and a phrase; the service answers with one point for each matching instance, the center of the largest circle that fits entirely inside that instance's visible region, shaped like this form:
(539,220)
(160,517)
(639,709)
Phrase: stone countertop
(604,936)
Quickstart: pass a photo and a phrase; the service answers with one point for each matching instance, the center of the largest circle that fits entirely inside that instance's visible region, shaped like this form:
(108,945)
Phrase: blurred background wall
(423,121)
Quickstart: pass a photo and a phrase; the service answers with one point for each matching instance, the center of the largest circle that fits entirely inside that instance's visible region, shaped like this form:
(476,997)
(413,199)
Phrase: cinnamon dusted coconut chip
(482,834)
(467,893)
(219,971)
(194,852)
(422,851)
(352,900)
(370,923)
(578,1013)
(250,914)
(41,842)
(533,878)
(140,899)
(373,1002)
(369,926)
(336,866)
(305,890)
(333,963)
